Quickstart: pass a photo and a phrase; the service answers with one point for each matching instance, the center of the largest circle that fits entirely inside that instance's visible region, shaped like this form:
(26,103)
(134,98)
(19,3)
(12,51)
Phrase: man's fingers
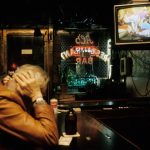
(25,75)
(19,80)
(31,74)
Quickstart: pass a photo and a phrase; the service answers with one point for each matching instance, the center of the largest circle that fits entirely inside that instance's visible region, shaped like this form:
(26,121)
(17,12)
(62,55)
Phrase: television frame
(135,42)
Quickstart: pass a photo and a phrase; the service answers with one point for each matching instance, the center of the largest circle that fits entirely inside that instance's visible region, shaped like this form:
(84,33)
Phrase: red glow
(14,66)
(79,50)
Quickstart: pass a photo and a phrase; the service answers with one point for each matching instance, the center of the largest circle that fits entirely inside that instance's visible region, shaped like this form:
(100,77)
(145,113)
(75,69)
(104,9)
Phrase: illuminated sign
(26,51)
(84,50)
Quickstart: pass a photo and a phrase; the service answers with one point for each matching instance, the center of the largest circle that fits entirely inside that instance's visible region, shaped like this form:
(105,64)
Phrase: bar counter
(113,124)
(94,135)
(102,125)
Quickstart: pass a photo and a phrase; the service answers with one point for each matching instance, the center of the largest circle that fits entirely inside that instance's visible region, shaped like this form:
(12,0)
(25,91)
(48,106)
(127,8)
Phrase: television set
(132,25)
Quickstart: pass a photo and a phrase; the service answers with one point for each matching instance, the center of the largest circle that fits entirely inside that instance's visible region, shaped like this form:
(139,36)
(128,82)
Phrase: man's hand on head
(27,84)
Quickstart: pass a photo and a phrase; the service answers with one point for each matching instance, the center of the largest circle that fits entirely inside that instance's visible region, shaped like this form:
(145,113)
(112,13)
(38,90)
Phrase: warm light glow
(83,50)
(108,60)
(26,51)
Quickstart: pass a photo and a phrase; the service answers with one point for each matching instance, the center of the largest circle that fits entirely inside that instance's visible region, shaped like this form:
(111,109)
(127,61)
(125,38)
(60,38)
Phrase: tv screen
(132,24)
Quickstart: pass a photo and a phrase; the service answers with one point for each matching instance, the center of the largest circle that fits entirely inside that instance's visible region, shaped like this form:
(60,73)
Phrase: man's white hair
(41,75)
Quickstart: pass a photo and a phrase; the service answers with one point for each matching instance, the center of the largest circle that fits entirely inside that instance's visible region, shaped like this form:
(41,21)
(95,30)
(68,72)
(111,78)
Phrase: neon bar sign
(84,51)
(79,50)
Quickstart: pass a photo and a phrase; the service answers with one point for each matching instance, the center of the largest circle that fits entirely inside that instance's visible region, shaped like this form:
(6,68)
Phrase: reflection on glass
(85,59)
(80,75)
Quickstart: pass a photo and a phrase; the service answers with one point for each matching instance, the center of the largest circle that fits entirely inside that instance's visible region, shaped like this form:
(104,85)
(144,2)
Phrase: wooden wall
(47,49)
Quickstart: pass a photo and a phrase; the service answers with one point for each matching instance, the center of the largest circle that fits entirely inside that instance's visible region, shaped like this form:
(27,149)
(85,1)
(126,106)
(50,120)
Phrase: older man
(24,115)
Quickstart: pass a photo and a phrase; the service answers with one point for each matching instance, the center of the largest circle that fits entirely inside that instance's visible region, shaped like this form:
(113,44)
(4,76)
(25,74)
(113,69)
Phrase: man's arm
(41,130)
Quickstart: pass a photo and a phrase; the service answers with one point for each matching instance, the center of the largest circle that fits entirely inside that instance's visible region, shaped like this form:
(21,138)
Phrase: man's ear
(6,79)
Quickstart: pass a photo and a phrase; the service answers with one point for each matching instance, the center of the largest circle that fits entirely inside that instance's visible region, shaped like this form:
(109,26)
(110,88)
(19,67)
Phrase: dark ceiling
(60,13)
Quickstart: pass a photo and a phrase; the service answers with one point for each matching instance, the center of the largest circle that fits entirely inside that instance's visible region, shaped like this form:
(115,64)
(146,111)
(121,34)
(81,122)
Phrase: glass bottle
(71,122)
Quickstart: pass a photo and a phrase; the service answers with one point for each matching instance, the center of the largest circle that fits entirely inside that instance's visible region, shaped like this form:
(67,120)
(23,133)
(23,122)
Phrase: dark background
(60,13)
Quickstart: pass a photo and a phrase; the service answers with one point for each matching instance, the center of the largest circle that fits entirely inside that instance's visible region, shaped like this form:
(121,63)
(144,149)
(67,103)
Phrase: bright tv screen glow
(132,23)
